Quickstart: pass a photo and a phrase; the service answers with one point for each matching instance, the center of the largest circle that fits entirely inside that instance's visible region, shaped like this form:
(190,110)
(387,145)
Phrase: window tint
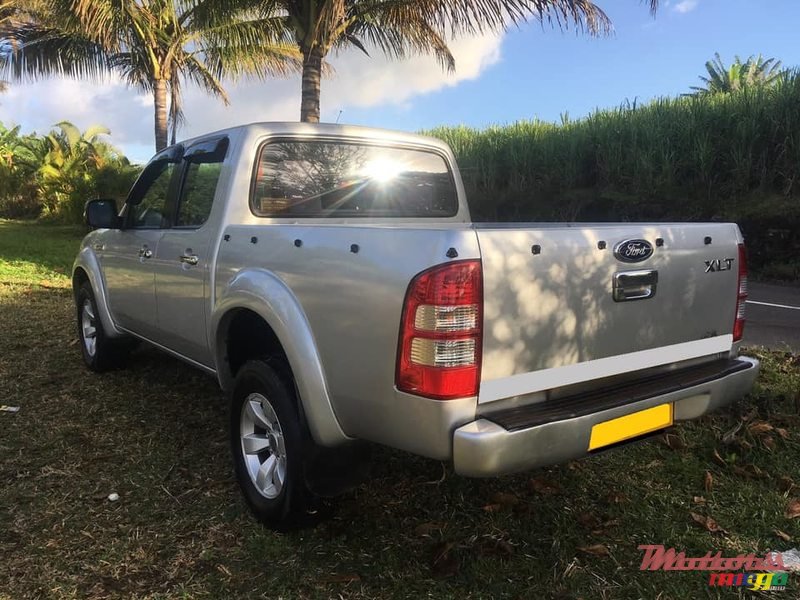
(148,202)
(197,197)
(337,179)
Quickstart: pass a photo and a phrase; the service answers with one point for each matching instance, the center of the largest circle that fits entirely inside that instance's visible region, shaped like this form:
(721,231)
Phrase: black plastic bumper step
(605,398)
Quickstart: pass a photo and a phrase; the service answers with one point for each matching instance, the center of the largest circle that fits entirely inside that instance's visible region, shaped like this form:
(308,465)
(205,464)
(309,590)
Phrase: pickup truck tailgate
(550,307)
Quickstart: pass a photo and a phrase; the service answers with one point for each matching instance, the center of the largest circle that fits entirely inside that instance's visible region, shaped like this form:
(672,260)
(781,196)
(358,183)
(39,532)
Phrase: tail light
(741,299)
(439,353)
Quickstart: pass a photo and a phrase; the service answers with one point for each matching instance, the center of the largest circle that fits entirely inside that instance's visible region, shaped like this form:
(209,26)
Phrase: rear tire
(100,352)
(267,442)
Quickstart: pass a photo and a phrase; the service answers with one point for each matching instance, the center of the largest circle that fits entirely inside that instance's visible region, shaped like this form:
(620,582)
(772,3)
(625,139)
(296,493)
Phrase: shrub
(54,175)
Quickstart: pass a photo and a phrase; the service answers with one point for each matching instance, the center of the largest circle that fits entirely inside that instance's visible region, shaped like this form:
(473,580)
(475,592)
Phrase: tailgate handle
(634,285)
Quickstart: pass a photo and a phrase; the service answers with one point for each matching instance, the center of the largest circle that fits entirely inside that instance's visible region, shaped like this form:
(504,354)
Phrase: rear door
(576,303)
(127,255)
(185,251)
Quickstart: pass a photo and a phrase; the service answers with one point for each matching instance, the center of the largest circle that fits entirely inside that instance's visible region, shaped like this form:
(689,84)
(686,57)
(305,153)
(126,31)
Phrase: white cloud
(38,106)
(685,6)
(359,81)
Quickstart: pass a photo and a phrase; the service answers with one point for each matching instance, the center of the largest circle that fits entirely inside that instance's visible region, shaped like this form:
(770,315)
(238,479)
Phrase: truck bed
(550,318)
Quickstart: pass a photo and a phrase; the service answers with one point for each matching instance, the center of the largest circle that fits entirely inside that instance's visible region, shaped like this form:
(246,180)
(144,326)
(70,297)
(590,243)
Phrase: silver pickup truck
(332,281)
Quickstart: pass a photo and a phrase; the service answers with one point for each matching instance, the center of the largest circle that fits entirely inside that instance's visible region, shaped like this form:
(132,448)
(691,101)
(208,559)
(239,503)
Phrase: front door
(184,255)
(128,253)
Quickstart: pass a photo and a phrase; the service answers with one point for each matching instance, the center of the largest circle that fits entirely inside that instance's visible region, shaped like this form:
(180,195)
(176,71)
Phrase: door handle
(145,252)
(189,259)
(634,285)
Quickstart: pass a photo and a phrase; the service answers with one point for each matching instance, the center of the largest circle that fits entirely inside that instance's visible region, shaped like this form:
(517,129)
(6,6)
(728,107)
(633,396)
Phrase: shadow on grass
(155,433)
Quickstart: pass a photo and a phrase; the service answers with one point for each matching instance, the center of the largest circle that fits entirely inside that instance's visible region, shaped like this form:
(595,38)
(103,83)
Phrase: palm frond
(478,16)
(264,30)
(133,67)
(70,132)
(203,14)
(32,52)
(105,20)
(195,71)
(93,132)
(255,61)
(755,71)
(399,38)
(653,5)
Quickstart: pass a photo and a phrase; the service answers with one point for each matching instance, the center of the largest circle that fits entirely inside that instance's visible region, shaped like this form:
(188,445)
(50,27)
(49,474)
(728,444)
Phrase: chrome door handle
(189,259)
(145,252)
(634,285)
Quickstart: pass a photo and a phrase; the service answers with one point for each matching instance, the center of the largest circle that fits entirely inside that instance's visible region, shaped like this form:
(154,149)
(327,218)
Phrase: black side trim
(606,398)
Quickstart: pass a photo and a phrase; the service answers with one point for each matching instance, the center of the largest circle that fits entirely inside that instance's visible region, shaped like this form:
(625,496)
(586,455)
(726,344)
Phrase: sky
(530,72)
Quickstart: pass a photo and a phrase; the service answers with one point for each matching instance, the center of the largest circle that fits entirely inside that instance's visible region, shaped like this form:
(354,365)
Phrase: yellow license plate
(630,426)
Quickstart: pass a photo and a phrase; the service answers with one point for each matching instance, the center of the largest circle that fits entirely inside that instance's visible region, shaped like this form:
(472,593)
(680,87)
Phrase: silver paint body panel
(549,319)
(557,308)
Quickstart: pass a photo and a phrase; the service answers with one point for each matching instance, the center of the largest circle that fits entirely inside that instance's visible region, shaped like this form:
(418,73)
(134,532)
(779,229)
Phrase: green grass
(155,434)
(30,252)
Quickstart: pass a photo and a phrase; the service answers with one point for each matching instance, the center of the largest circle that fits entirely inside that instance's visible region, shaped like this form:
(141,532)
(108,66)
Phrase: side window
(201,175)
(148,200)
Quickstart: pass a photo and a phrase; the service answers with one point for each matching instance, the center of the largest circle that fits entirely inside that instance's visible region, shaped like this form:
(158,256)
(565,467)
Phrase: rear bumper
(485,448)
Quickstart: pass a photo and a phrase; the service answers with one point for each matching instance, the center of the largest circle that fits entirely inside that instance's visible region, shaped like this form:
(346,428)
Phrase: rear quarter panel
(353,303)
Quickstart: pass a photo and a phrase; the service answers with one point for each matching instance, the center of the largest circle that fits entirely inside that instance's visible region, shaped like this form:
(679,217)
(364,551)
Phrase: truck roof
(294,128)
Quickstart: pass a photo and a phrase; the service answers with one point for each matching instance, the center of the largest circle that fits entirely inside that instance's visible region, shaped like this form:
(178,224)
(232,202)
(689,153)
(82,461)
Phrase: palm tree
(5,16)
(755,71)
(402,27)
(70,145)
(156,46)
(9,139)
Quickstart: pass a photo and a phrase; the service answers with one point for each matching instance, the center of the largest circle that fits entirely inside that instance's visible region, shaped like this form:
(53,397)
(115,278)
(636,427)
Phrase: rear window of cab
(334,179)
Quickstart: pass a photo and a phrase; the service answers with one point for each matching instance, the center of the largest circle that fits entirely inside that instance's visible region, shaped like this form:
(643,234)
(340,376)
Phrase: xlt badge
(719,264)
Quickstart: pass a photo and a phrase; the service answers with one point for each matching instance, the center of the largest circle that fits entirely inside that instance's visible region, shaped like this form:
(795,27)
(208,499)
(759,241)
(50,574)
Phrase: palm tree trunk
(173,122)
(160,99)
(173,113)
(312,73)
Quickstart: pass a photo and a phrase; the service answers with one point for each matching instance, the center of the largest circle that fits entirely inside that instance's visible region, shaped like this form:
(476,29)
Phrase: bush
(53,176)
(65,200)
(23,204)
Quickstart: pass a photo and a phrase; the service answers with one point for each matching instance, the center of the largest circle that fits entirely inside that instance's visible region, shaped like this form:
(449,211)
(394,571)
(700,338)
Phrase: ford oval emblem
(633,251)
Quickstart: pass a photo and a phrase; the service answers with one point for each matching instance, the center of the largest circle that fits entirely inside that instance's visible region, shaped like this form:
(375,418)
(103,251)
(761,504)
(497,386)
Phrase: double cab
(331,279)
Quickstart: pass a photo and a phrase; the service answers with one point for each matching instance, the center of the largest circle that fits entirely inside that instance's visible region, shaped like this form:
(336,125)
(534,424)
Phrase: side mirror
(101,214)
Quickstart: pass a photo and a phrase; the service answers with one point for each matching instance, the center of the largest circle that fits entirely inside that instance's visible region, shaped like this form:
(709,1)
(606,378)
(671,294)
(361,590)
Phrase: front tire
(100,352)
(267,444)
